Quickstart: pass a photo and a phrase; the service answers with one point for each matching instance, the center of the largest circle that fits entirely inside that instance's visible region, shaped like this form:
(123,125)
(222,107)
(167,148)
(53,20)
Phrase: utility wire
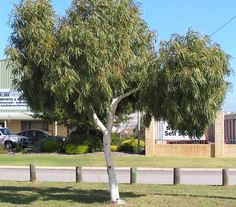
(223,25)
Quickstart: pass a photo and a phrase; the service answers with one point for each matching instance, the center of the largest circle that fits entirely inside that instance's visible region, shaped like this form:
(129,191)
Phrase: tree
(98,59)
(190,85)
(95,57)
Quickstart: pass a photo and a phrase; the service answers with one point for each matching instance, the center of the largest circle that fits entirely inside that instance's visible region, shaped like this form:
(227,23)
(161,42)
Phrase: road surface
(189,176)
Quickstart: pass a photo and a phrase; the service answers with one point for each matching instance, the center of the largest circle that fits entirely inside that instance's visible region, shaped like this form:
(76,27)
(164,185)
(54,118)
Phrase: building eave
(16,115)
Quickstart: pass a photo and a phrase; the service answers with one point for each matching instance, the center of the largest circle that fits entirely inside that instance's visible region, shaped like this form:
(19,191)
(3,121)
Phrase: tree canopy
(32,43)
(190,85)
(100,50)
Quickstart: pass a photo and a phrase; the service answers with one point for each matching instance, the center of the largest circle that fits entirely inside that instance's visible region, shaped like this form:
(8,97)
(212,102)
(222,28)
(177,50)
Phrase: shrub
(36,148)
(93,141)
(116,139)
(76,149)
(2,150)
(131,145)
(114,148)
(18,149)
(49,145)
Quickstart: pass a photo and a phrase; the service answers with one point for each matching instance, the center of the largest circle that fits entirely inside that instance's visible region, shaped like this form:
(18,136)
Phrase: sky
(216,18)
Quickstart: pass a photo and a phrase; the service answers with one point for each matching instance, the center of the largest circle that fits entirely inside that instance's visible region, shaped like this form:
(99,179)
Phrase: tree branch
(111,111)
(97,121)
(116,100)
(114,104)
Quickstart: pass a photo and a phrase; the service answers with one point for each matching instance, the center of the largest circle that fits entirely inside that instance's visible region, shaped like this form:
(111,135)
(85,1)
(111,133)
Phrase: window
(34,125)
(44,126)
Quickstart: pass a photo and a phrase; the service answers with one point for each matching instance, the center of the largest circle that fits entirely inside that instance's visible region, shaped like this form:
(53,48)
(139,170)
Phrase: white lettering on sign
(10,99)
(166,133)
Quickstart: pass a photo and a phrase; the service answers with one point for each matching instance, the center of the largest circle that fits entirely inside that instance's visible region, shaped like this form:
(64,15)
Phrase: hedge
(76,149)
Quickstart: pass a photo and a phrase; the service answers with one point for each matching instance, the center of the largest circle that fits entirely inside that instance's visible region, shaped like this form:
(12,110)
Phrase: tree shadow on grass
(27,195)
(196,196)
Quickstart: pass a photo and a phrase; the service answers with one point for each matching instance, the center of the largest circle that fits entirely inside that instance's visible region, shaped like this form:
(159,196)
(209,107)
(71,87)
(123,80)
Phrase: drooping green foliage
(32,50)
(102,49)
(190,86)
(98,51)
(107,45)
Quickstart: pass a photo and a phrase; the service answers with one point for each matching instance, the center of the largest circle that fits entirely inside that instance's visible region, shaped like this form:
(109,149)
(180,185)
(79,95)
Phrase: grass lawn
(43,194)
(120,161)
(70,194)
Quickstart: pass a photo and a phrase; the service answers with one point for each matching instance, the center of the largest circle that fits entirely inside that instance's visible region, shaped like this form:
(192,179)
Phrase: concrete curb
(117,168)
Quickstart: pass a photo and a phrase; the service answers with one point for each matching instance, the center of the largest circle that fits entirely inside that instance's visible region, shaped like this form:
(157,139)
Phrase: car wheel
(8,145)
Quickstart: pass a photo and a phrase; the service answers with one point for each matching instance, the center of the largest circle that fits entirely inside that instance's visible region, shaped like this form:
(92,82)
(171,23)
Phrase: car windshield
(5,131)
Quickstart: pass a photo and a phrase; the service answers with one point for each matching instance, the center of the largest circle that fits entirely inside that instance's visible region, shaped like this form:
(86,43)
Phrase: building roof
(16,115)
(5,74)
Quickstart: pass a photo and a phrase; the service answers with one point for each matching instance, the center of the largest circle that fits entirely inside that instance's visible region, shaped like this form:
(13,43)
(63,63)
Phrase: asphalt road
(99,175)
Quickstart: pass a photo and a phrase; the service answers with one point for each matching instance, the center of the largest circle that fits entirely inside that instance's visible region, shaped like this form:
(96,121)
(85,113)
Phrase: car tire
(8,145)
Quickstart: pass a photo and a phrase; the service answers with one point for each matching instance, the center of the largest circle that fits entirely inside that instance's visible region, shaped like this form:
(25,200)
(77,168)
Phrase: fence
(168,176)
(195,141)
(229,130)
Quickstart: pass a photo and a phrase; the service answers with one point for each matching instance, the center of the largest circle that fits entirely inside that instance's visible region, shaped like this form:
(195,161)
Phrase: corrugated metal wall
(5,74)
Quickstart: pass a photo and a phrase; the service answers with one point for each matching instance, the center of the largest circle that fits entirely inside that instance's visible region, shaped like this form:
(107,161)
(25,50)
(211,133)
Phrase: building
(14,111)
(220,140)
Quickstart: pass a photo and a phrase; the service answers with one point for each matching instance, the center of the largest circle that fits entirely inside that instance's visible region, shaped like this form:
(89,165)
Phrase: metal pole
(139,132)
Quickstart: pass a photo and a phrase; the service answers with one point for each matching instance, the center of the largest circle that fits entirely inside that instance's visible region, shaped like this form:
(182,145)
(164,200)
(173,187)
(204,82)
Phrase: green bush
(117,139)
(114,148)
(131,145)
(18,149)
(93,141)
(2,150)
(76,149)
(49,146)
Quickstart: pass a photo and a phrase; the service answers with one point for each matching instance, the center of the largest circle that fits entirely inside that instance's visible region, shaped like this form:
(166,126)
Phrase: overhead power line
(223,25)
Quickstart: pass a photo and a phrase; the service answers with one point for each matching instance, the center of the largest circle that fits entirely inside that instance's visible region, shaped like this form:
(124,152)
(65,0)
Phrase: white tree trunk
(114,190)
